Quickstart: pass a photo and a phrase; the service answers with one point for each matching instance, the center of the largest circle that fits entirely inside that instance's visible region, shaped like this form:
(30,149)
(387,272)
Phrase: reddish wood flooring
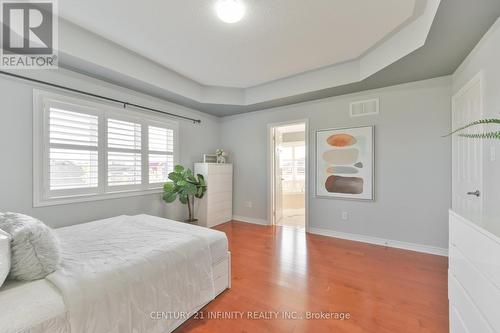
(282,269)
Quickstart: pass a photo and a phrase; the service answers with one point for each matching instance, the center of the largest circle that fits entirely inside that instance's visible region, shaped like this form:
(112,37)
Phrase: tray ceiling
(275,39)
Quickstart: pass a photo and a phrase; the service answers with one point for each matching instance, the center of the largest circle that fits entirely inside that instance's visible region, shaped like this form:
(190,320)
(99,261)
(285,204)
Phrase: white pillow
(4,256)
(34,247)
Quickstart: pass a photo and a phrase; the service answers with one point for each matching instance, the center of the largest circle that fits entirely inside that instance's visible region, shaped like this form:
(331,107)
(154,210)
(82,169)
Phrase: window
(161,153)
(292,163)
(124,153)
(88,151)
(72,151)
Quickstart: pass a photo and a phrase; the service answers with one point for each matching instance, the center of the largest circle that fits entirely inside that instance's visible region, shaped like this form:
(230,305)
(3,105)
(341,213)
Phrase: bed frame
(222,274)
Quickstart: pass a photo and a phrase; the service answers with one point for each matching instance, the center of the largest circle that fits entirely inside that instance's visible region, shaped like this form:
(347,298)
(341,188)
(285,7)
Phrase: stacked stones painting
(344,159)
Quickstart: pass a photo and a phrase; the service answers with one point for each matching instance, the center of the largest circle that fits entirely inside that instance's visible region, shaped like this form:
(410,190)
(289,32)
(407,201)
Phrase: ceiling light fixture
(230,11)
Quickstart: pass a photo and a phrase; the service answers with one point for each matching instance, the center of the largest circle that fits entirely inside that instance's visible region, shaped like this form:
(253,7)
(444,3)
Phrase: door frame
(271,173)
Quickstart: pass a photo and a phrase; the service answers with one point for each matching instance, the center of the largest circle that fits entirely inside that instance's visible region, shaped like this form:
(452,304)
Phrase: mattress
(38,306)
(217,240)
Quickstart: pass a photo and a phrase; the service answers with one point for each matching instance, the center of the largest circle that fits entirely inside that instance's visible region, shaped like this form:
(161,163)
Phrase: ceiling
(276,39)
(211,53)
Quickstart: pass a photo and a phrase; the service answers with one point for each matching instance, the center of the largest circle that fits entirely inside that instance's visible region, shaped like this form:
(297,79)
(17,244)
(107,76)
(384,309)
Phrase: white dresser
(473,277)
(216,206)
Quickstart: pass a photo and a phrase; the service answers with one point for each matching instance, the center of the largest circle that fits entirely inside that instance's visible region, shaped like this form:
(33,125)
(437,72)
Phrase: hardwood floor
(290,272)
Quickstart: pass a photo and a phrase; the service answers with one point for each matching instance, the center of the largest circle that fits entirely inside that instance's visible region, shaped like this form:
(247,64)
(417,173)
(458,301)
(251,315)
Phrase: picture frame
(209,158)
(345,163)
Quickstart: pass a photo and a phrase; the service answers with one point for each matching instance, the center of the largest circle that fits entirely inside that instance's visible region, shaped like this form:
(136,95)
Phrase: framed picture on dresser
(345,163)
(209,158)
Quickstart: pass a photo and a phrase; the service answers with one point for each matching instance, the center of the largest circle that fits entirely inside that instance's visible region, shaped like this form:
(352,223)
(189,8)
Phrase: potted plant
(185,185)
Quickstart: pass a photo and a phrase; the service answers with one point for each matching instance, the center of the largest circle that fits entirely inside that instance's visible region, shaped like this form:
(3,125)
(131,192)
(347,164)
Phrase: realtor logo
(29,34)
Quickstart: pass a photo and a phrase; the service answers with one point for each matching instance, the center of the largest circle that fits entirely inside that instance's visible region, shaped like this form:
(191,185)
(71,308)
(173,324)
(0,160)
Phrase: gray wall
(413,174)
(486,58)
(412,160)
(16,177)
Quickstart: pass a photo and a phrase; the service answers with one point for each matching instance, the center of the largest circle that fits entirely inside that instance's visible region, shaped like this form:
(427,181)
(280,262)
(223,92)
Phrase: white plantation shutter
(73,156)
(124,153)
(85,150)
(161,153)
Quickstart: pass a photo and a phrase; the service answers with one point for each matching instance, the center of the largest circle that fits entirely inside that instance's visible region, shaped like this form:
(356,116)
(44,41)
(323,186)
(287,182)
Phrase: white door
(278,180)
(467,169)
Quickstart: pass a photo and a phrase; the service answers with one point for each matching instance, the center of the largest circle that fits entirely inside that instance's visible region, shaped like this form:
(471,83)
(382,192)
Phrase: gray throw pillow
(34,247)
(4,256)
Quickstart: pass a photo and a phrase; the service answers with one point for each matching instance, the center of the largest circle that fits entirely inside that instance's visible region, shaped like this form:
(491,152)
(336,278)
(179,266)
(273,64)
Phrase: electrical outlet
(345,216)
(248,204)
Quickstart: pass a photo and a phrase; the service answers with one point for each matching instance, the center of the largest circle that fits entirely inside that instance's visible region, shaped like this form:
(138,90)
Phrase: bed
(124,274)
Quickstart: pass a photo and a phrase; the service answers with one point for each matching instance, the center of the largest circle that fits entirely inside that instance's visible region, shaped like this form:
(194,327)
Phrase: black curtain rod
(125,104)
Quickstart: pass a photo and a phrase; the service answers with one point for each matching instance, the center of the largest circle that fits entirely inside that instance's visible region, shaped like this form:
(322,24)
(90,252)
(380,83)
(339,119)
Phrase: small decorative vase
(221,159)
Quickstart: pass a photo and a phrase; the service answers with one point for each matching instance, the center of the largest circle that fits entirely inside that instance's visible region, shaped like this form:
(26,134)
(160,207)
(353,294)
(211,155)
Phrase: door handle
(476,193)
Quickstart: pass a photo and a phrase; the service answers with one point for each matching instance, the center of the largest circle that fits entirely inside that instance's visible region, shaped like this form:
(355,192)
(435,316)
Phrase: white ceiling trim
(85,51)
(402,43)
(405,41)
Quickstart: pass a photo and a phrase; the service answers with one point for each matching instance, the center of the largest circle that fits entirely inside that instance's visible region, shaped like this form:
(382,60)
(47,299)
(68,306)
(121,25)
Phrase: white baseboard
(250,220)
(380,241)
(359,238)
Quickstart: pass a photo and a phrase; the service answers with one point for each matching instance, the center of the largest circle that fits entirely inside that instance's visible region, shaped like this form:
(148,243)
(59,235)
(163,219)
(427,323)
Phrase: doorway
(288,157)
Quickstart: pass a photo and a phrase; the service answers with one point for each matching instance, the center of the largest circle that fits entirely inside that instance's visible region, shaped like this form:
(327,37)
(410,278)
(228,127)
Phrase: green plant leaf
(174,176)
(178,168)
(169,187)
(183,199)
(199,193)
(475,123)
(487,135)
(191,189)
(169,197)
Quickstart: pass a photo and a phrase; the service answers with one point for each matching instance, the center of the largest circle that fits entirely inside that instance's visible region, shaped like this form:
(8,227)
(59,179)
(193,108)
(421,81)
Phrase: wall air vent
(364,108)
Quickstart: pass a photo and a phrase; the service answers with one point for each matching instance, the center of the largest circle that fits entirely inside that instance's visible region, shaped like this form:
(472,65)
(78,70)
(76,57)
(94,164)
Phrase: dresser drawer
(481,291)
(215,169)
(219,183)
(218,217)
(470,316)
(456,323)
(214,198)
(480,249)
(218,206)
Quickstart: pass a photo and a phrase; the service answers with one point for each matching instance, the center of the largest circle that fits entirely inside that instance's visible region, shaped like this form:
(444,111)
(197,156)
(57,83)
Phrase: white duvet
(118,273)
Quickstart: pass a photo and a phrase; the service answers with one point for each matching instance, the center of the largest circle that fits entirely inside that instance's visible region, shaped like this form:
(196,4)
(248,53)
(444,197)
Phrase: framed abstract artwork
(345,163)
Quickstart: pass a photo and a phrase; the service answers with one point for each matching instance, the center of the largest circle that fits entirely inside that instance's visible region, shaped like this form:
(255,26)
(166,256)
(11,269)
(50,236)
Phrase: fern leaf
(487,135)
(474,123)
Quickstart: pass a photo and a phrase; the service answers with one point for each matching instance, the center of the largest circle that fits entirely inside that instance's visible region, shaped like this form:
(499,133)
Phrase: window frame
(43,196)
